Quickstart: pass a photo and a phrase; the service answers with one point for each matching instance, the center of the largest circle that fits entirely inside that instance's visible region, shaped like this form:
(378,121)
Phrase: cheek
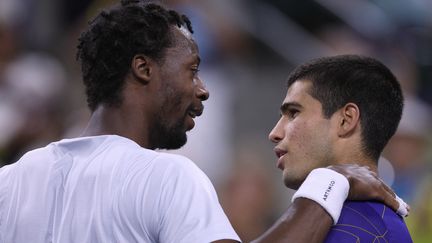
(297,136)
(297,141)
(300,142)
(174,99)
(172,109)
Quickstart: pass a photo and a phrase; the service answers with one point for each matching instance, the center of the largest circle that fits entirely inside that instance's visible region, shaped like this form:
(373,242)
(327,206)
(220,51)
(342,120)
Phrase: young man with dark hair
(140,68)
(337,110)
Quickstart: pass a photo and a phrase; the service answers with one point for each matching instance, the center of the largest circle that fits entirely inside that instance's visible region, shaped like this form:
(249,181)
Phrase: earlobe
(349,120)
(141,69)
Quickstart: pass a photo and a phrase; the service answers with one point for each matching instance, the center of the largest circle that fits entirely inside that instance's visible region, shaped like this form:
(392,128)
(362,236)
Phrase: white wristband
(326,187)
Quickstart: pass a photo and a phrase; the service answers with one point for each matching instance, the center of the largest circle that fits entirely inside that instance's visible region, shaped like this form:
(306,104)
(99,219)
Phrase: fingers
(394,201)
(403,209)
(390,200)
(387,188)
(365,184)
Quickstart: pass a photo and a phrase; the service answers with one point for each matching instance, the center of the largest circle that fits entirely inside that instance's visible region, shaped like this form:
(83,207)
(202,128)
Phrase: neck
(117,121)
(350,151)
(360,160)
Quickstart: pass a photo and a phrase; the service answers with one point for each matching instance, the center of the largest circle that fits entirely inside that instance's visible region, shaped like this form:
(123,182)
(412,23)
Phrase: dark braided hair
(114,37)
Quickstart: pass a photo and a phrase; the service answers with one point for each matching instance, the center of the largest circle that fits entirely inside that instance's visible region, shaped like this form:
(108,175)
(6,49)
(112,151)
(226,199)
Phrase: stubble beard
(164,133)
(168,137)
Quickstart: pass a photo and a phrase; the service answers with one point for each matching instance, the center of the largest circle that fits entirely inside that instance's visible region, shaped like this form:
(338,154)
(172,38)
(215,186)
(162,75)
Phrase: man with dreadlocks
(140,68)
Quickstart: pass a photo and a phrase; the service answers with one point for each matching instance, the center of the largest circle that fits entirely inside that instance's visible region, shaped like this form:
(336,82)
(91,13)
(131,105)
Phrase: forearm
(310,220)
(304,221)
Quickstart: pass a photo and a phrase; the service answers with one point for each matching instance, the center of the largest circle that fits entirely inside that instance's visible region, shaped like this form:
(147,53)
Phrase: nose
(276,135)
(201,92)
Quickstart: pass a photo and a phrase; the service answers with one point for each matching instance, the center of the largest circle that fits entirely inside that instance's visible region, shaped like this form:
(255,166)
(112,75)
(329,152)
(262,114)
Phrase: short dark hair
(365,81)
(112,39)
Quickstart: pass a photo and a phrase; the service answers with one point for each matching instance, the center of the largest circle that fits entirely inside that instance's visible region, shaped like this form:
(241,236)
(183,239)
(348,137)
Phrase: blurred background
(248,48)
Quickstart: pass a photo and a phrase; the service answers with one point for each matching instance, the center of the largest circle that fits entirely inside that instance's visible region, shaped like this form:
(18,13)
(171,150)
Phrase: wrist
(326,187)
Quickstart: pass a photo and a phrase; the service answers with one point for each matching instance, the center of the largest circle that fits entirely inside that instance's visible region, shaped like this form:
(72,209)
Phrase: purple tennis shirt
(368,222)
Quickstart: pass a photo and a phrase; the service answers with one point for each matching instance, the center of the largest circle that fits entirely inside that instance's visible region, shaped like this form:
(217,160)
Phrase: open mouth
(192,114)
(279,152)
(195,111)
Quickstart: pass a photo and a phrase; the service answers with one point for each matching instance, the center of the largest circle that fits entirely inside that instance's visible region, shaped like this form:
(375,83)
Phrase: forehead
(298,95)
(183,42)
(184,31)
(298,91)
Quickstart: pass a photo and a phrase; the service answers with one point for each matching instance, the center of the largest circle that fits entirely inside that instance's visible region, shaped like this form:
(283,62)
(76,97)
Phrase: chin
(175,142)
(177,146)
(166,137)
(291,183)
(291,186)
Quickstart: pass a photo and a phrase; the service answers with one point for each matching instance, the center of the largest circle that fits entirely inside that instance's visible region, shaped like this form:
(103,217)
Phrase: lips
(279,153)
(192,113)
(195,111)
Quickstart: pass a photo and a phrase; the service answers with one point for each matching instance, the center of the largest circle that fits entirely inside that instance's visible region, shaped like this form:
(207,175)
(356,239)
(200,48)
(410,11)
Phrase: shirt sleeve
(189,206)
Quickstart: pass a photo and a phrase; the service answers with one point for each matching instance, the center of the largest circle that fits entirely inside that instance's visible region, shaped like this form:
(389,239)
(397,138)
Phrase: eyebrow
(285,107)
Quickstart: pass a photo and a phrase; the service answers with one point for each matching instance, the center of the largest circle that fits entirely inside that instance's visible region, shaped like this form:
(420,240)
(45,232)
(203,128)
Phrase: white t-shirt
(108,189)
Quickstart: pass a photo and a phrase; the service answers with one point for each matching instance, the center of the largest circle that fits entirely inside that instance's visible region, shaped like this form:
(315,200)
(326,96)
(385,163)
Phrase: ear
(349,120)
(142,68)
